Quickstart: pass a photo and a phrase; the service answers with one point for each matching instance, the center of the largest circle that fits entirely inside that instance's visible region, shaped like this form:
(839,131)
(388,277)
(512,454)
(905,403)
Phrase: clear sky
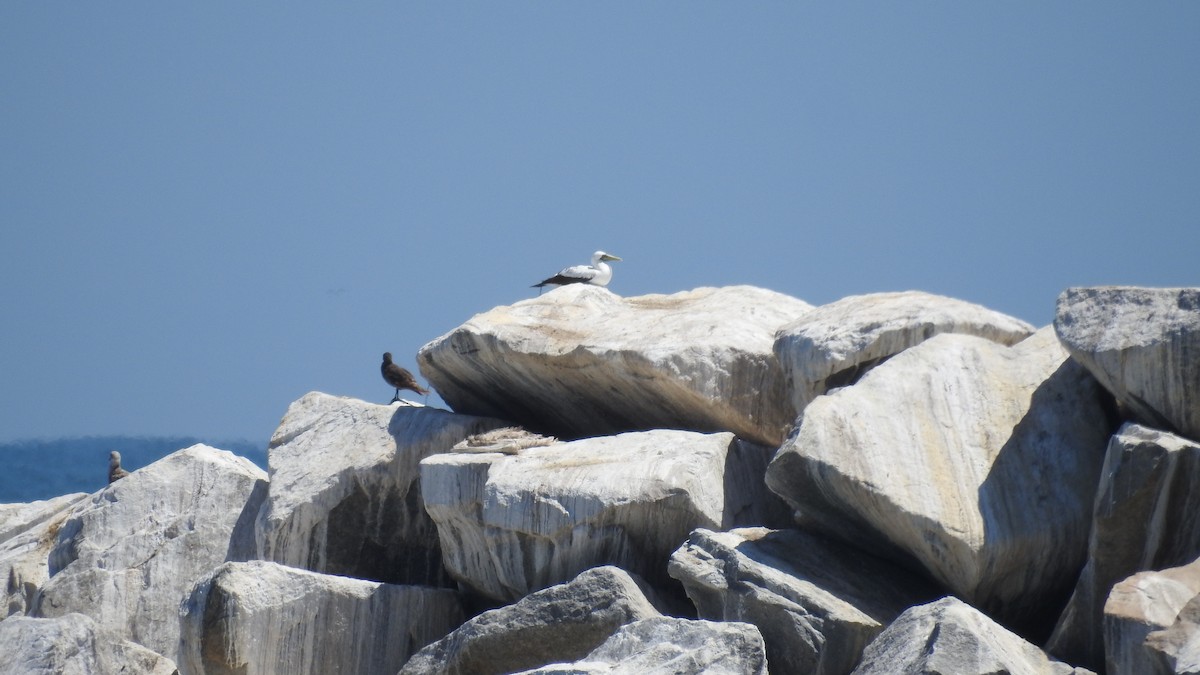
(208,209)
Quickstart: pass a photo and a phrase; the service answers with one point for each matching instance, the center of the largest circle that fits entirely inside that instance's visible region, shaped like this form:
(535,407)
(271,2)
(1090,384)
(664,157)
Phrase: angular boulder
(512,524)
(950,636)
(835,344)
(1144,518)
(561,623)
(817,602)
(975,460)
(581,361)
(1142,344)
(1177,649)
(258,618)
(129,556)
(344,494)
(1144,604)
(669,646)
(27,535)
(72,644)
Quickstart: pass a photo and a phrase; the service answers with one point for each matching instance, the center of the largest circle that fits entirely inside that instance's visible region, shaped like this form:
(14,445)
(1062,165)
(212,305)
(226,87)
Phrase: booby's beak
(608,256)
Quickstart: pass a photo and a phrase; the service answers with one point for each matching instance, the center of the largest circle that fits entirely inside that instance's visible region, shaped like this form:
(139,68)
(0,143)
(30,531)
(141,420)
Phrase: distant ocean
(41,469)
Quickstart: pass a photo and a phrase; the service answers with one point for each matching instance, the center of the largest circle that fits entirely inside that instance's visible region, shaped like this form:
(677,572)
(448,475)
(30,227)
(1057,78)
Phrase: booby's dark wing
(577,274)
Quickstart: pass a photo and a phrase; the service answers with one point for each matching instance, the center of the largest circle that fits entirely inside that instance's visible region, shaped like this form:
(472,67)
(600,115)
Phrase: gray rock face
(128,557)
(512,524)
(1177,649)
(1144,518)
(976,460)
(27,534)
(835,344)
(950,636)
(816,602)
(1141,343)
(72,645)
(1144,604)
(670,646)
(560,623)
(259,618)
(344,494)
(581,361)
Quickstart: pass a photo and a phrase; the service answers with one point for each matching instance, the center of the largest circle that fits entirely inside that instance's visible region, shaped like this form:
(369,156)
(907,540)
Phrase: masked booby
(597,274)
(399,377)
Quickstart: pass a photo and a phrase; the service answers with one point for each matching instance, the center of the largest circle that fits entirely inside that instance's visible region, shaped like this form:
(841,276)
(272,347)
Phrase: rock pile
(718,481)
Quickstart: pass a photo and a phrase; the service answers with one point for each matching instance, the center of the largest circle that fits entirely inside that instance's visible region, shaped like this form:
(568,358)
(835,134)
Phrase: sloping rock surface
(1144,518)
(344,495)
(1141,343)
(1177,649)
(1139,606)
(835,344)
(72,644)
(27,535)
(128,557)
(977,460)
(581,361)
(560,623)
(512,524)
(259,618)
(817,602)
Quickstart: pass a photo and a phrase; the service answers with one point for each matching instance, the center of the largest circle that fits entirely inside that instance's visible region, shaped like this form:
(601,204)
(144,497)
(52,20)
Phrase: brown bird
(399,377)
(115,472)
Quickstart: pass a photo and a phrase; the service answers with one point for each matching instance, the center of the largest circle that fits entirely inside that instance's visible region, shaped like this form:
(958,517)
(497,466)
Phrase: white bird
(597,274)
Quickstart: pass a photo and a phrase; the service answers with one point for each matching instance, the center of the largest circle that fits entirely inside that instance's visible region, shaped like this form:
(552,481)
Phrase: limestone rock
(259,618)
(950,636)
(1178,648)
(1144,518)
(512,524)
(835,344)
(1142,344)
(670,646)
(344,494)
(976,460)
(560,623)
(72,644)
(17,518)
(581,361)
(27,534)
(129,555)
(1139,606)
(816,602)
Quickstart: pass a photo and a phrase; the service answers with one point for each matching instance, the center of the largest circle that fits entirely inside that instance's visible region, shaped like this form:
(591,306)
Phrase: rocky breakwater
(740,483)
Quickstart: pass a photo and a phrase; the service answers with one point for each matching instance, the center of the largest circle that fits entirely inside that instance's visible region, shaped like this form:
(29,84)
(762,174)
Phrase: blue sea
(41,469)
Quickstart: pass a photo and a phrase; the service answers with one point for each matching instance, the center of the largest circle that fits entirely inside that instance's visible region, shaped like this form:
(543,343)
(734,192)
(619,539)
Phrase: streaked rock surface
(72,644)
(129,556)
(1141,605)
(1142,344)
(817,602)
(27,535)
(512,524)
(835,344)
(581,361)
(344,494)
(1177,649)
(976,460)
(950,636)
(560,623)
(260,618)
(1144,518)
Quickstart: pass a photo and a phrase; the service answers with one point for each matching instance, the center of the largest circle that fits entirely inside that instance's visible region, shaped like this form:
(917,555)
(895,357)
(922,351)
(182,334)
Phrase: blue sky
(208,209)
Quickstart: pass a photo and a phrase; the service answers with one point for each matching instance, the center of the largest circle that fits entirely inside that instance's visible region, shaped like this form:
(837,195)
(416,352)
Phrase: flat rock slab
(129,556)
(1144,604)
(1144,518)
(513,524)
(561,623)
(260,618)
(344,494)
(950,636)
(835,344)
(976,460)
(1143,344)
(72,644)
(817,602)
(581,361)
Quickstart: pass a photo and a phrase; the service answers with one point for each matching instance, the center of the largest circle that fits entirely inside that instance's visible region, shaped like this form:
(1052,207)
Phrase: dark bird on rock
(399,377)
(115,472)
(598,273)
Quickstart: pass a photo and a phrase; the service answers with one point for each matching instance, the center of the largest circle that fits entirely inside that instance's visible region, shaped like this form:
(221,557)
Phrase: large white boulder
(835,344)
(512,524)
(817,602)
(72,644)
(261,618)
(130,555)
(27,535)
(1144,518)
(344,494)
(581,361)
(1143,344)
(976,460)
(1140,606)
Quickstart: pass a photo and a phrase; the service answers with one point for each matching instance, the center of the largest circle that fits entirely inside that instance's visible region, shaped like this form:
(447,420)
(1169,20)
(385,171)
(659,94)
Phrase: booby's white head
(600,256)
